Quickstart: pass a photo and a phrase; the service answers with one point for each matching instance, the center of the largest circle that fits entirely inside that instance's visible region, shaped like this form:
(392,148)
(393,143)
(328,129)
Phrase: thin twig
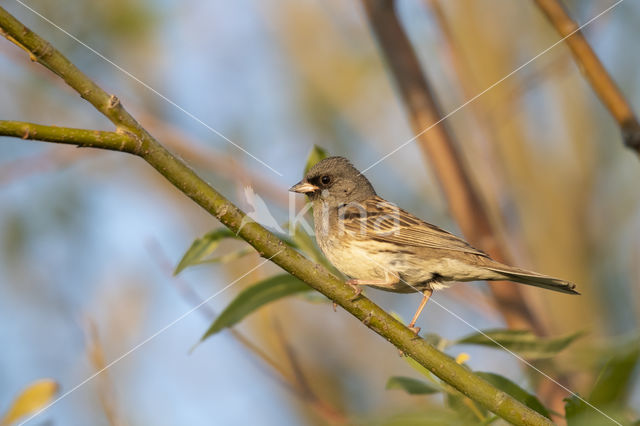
(106,392)
(598,77)
(327,411)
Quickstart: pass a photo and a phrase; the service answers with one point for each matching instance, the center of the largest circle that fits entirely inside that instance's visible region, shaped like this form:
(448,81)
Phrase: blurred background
(89,239)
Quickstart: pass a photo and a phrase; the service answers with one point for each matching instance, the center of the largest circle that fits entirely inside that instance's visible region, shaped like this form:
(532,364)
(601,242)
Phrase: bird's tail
(533,278)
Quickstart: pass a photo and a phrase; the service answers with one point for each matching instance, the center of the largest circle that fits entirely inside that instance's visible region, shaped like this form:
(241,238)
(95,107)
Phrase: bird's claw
(357,290)
(415,329)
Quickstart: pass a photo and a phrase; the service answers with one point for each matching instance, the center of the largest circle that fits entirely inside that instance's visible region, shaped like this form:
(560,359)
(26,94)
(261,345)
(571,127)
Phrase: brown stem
(327,411)
(595,73)
(440,149)
(106,390)
(548,391)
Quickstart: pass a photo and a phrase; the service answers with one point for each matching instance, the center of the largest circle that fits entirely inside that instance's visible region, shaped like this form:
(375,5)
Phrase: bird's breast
(364,260)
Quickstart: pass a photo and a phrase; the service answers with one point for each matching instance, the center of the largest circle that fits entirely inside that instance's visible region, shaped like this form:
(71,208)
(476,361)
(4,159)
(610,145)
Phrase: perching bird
(378,244)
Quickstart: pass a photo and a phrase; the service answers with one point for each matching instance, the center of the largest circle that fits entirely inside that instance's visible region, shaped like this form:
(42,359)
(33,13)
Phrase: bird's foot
(416,330)
(357,290)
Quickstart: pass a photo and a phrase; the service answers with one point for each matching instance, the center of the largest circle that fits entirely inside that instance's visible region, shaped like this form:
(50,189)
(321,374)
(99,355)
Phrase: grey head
(335,181)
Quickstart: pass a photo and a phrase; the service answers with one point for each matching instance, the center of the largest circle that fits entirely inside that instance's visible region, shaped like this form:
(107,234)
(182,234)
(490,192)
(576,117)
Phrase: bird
(375,243)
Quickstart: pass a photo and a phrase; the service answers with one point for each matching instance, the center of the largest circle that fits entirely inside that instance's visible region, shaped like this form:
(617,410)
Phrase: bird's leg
(355,284)
(412,325)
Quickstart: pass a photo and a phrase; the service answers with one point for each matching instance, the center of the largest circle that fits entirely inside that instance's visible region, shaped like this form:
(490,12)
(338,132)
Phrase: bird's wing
(383,221)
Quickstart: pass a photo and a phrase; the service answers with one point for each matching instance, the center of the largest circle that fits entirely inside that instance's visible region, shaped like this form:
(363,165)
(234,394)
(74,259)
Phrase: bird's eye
(325,180)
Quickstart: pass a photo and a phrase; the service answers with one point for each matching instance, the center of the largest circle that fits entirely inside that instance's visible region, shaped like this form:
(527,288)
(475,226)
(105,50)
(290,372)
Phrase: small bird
(377,244)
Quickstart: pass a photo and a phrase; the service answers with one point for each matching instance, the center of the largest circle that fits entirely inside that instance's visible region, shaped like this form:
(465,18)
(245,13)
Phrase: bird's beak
(303,187)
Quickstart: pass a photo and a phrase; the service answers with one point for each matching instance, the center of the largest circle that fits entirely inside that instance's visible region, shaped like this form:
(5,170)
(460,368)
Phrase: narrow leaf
(306,243)
(203,247)
(254,297)
(574,410)
(436,341)
(411,386)
(418,367)
(515,391)
(228,257)
(316,154)
(615,379)
(522,342)
(470,413)
(580,413)
(315,297)
(429,415)
(33,398)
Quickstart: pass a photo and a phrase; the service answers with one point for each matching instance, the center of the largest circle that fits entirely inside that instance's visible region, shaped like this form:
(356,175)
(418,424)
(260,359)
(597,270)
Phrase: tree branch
(440,149)
(267,244)
(81,137)
(596,74)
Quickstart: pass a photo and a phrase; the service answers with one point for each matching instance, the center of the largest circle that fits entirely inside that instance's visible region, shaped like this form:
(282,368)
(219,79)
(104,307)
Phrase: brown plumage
(378,244)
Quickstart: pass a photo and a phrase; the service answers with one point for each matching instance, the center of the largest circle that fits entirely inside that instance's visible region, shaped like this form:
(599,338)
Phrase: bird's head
(335,181)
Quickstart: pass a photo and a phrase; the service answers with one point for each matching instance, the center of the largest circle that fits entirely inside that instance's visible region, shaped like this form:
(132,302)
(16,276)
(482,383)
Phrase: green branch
(267,244)
(80,137)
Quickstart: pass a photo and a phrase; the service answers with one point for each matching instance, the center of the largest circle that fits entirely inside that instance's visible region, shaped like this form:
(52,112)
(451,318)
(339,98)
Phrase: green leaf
(515,391)
(418,367)
(470,412)
(315,297)
(254,297)
(430,415)
(203,247)
(574,410)
(522,342)
(307,245)
(421,369)
(316,154)
(228,257)
(436,341)
(580,413)
(615,379)
(411,386)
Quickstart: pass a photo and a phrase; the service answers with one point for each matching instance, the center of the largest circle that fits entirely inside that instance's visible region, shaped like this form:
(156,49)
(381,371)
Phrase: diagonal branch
(441,150)
(266,243)
(595,73)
